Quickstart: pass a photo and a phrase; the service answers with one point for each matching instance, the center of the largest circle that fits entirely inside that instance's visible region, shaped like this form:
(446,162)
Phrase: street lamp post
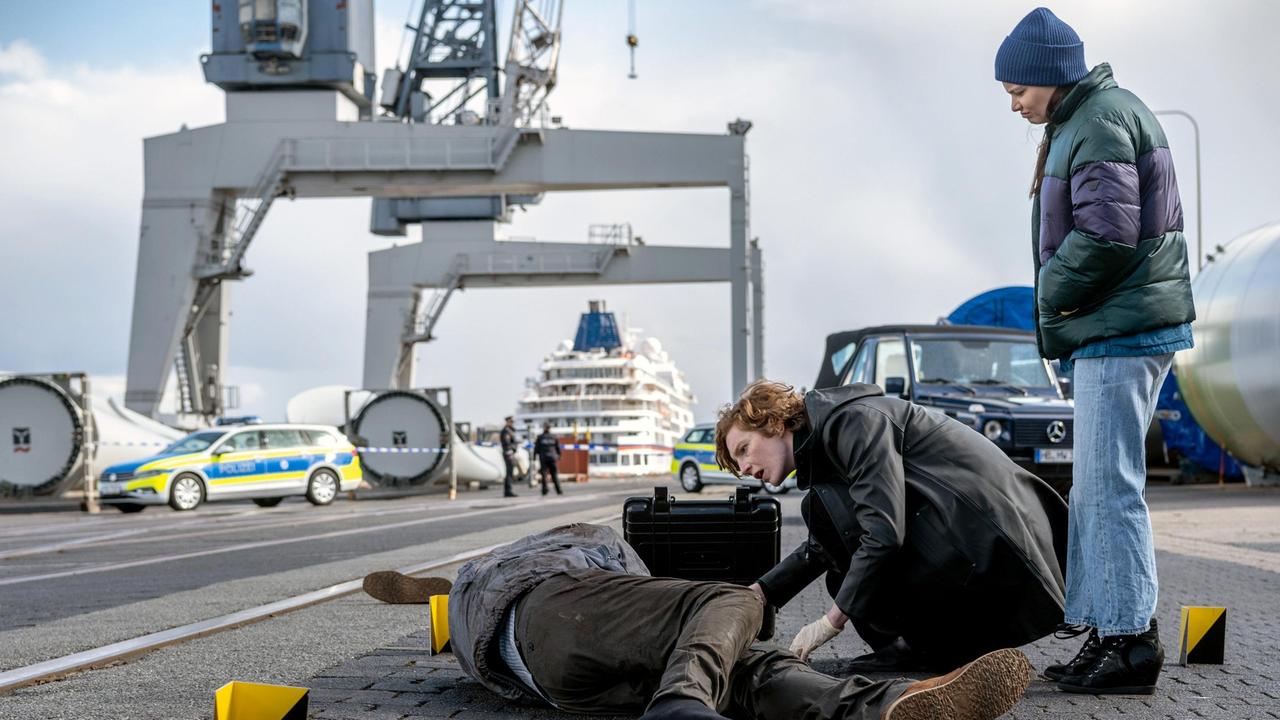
(1199,224)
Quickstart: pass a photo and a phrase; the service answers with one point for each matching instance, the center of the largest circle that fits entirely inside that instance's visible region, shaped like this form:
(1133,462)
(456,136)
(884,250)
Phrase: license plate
(1053,455)
(109,488)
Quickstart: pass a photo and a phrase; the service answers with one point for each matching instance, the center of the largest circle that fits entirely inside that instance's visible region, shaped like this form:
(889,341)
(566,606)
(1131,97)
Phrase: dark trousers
(606,643)
(548,467)
(510,460)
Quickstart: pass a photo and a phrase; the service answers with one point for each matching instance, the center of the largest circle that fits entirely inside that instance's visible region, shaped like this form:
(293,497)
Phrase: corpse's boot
(1126,665)
(392,587)
(984,689)
(1089,652)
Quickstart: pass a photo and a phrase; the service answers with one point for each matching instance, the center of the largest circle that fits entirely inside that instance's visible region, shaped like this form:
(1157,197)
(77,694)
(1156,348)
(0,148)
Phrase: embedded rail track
(115,652)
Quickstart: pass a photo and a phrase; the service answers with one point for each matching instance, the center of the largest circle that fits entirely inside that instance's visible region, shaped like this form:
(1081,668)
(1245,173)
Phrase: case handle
(742,500)
(661,502)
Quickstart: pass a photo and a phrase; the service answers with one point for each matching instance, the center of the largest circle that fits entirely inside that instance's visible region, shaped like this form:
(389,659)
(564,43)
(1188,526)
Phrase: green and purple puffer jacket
(1110,256)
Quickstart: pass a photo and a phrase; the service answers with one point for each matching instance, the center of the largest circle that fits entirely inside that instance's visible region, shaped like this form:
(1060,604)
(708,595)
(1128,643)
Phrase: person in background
(510,445)
(548,449)
(1113,296)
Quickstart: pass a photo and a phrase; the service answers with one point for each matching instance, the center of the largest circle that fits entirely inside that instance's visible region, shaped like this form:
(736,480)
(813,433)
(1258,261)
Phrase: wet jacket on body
(487,586)
(925,529)
(1109,252)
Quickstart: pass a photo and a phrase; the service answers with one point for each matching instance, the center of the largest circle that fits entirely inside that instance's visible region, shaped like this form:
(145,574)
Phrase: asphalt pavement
(1215,546)
(364,659)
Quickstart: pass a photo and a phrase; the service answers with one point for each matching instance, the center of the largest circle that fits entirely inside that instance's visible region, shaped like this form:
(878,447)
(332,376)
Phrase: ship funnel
(597,329)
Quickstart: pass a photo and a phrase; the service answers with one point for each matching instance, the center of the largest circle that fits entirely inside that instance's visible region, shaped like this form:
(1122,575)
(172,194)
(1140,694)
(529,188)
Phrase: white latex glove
(813,636)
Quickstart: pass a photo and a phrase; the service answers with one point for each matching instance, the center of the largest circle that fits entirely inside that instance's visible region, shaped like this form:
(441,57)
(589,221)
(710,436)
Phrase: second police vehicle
(693,462)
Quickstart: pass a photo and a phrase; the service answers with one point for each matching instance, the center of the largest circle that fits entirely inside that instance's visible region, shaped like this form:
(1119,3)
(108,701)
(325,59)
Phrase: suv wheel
(690,478)
(186,493)
(323,487)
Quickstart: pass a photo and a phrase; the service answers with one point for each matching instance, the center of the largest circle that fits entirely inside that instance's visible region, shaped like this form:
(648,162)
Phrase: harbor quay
(360,658)
(482,359)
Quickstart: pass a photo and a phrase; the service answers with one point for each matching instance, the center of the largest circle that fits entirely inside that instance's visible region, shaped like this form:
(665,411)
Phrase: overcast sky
(888,178)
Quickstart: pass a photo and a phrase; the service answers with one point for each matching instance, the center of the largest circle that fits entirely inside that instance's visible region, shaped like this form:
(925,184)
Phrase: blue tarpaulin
(1013,306)
(1010,307)
(1184,434)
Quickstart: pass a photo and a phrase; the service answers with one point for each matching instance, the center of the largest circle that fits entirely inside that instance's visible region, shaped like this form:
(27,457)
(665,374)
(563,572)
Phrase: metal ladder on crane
(227,248)
(421,324)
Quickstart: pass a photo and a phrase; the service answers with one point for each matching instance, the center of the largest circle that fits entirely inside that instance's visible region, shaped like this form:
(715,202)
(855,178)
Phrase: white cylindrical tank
(125,435)
(404,435)
(44,437)
(1231,379)
(324,405)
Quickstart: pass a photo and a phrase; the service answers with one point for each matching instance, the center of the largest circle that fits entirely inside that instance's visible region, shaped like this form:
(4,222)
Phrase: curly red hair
(768,407)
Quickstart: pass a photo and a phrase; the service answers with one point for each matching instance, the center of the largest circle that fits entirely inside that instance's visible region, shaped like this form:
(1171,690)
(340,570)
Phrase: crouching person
(571,617)
(936,547)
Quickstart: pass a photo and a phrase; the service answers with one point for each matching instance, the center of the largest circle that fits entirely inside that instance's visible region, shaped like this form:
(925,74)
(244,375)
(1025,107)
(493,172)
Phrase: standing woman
(1114,300)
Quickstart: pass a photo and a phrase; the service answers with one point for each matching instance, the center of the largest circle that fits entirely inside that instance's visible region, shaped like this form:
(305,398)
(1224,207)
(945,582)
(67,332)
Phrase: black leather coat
(925,529)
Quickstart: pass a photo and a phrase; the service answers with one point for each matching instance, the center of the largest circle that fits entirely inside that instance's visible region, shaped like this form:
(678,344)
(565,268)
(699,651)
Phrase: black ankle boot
(1126,665)
(1088,653)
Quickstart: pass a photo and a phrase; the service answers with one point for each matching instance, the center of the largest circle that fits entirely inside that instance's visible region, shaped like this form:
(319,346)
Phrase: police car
(693,462)
(264,463)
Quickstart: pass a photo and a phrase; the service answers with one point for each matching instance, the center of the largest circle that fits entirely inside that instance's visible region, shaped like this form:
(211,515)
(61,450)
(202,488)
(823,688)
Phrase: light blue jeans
(1111,562)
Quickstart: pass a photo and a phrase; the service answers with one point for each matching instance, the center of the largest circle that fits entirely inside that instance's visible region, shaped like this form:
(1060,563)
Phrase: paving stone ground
(401,680)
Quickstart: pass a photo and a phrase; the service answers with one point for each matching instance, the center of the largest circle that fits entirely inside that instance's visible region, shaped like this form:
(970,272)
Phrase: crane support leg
(739,285)
(757,311)
(209,338)
(168,248)
(389,311)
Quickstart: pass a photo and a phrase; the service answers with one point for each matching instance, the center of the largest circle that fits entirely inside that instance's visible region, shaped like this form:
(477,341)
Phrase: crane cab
(273,29)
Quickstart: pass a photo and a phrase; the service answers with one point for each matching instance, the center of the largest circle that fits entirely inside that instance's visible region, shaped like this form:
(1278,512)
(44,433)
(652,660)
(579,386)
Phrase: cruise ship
(608,388)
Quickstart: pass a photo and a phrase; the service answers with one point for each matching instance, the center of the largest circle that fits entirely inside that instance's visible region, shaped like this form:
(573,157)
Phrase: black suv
(989,378)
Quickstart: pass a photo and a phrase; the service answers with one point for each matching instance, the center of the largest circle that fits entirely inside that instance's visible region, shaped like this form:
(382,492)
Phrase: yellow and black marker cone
(1203,637)
(440,624)
(256,701)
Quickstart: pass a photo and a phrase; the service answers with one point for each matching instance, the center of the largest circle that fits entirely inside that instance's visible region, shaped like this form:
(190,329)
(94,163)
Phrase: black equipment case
(735,540)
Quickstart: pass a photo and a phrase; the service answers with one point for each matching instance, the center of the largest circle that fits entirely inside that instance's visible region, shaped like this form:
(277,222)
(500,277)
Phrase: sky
(888,179)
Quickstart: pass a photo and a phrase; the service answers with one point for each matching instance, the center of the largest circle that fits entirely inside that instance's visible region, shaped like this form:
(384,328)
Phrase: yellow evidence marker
(1203,637)
(439,624)
(256,701)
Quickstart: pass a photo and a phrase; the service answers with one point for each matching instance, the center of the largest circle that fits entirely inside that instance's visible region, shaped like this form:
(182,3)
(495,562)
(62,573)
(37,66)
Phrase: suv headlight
(149,474)
(993,429)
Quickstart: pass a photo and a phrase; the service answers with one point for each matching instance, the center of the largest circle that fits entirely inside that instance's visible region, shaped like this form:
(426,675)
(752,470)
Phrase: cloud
(887,185)
(21,60)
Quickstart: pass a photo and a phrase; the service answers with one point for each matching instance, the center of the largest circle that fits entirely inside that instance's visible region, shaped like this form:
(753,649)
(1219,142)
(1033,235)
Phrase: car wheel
(131,507)
(323,487)
(776,489)
(267,502)
(690,478)
(186,493)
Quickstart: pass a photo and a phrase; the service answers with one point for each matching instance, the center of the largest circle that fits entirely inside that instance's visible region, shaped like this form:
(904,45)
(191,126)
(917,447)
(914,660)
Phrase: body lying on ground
(571,618)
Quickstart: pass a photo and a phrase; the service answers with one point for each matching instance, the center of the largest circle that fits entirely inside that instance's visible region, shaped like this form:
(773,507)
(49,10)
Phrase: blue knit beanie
(1041,50)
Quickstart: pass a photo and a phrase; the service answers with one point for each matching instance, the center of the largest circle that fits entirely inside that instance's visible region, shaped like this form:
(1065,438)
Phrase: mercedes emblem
(1057,431)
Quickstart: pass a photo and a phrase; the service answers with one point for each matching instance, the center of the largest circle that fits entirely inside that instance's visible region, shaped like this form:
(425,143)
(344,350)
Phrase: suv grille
(1033,432)
(120,476)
